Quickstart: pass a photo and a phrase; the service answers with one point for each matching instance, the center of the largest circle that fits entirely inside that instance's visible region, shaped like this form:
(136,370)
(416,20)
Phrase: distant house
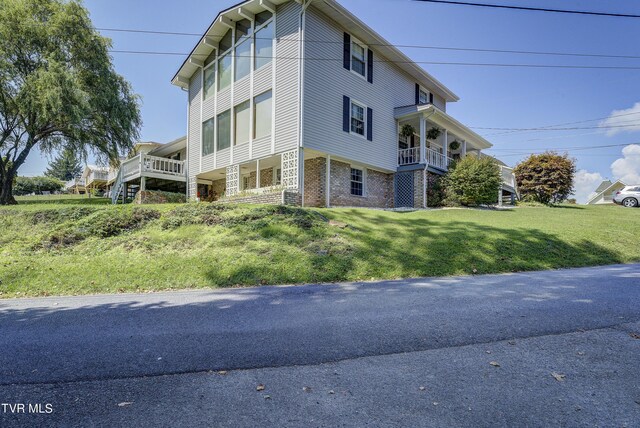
(605,192)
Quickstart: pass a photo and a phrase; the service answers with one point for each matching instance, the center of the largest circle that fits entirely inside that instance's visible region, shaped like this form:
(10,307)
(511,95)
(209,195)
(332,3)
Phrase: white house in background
(298,101)
(151,166)
(605,192)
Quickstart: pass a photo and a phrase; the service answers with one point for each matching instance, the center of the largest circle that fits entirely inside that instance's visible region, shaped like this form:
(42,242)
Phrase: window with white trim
(262,115)
(424,96)
(358,58)
(263,44)
(224,130)
(224,71)
(358,118)
(357,182)
(209,80)
(242,121)
(208,134)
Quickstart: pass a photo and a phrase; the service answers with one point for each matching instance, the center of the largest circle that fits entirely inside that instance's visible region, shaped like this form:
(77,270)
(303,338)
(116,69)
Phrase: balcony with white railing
(153,166)
(75,182)
(97,176)
(409,156)
(437,160)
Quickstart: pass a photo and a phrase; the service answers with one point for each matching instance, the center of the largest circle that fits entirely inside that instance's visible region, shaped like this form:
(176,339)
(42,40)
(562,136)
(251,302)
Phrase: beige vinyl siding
(262,79)
(241,91)
(208,108)
(326,82)
(195,129)
(224,100)
(241,153)
(262,147)
(286,92)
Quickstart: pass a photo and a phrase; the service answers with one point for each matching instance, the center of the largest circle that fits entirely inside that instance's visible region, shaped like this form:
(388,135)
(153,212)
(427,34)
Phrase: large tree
(58,87)
(545,178)
(65,166)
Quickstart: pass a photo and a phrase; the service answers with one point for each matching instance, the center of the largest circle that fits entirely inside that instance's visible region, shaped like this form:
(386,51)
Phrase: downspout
(301,50)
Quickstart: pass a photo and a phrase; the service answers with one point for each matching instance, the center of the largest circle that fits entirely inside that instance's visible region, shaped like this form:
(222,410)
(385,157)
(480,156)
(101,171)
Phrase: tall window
(358,61)
(357,118)
(208,134)
(357,182)
(424,96)
(243,59)
(262,115)
(242,123)
(264,45)
(224,130)
(224,71)
(209,81)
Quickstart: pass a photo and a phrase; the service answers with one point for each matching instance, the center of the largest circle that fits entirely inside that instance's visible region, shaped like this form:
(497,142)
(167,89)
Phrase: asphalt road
(471,351)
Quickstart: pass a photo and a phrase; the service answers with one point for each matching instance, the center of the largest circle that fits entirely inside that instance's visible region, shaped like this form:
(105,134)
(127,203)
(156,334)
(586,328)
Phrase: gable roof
(333,10)
(605,190)
(605,184)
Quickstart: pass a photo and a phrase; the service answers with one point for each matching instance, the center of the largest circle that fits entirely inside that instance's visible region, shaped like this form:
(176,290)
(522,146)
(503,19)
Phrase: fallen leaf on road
(222,372)
(422,388)
(557,376)
(125,403)
(267,397)
(306,389)
(635,335)
(494,364)
(511,342)
(260,387)
(332,392)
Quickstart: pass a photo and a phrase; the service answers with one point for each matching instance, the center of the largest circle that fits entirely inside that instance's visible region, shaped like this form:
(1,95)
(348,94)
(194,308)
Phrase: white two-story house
(298,101)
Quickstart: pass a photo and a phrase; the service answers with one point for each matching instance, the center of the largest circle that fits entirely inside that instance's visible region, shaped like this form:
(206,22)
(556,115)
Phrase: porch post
(423,139)
(463,152)
(445,145)
(500,197)
(143,183)
(257,173)
(327,183)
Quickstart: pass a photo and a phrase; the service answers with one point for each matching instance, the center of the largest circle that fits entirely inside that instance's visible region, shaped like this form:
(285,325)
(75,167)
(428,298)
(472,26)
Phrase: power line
(633,123)
(448,48)
(571,123)
(575,148)
(474,64)
(533,9)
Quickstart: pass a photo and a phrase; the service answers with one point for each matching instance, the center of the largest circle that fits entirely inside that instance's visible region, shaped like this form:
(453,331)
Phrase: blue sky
(490,96)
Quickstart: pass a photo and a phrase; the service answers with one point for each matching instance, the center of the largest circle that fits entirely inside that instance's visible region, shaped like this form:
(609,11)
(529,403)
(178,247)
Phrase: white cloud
(627,168)
(585,183)
(627,120)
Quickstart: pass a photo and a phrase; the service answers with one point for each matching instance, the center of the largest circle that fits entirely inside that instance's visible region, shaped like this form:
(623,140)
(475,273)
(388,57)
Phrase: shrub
(546,178)
(159,197)
(473,181)
(28,185)
(435,190)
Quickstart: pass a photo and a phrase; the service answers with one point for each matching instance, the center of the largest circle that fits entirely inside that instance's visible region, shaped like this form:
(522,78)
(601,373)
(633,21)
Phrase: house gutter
(301,37)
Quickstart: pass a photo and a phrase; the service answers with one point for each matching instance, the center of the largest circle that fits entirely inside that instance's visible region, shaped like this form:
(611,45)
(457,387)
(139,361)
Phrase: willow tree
(58,88)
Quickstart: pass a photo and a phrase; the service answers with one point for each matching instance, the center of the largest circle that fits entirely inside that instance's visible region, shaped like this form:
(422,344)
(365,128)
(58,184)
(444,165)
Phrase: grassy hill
(73,247)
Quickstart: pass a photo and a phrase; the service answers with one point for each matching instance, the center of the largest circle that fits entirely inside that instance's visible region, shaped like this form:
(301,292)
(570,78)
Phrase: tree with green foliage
(473,181)
(65,167)
(37,185)
(546,178)
(58,88)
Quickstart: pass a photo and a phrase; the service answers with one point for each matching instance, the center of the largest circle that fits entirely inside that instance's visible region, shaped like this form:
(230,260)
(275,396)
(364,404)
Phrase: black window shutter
(346,116)
(430,98)
(417,94)
(370,67)
(369,124)
(347,51)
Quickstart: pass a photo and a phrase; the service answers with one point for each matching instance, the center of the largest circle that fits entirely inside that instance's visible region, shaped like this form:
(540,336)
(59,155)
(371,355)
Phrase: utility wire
(568,123)
(448,48)
(533,9)
(563,66)
(575,148)
(634,123)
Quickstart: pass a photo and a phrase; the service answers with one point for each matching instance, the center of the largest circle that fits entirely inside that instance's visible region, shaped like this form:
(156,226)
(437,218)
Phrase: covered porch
(429,138)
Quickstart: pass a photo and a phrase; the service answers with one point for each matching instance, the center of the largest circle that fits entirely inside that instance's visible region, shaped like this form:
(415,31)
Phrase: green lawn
(79,247)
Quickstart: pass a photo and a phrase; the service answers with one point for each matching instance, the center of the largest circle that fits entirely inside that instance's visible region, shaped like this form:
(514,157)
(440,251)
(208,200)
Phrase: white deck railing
(97,176)
(152,164)
(409,156)
(75,182)
(437,160)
